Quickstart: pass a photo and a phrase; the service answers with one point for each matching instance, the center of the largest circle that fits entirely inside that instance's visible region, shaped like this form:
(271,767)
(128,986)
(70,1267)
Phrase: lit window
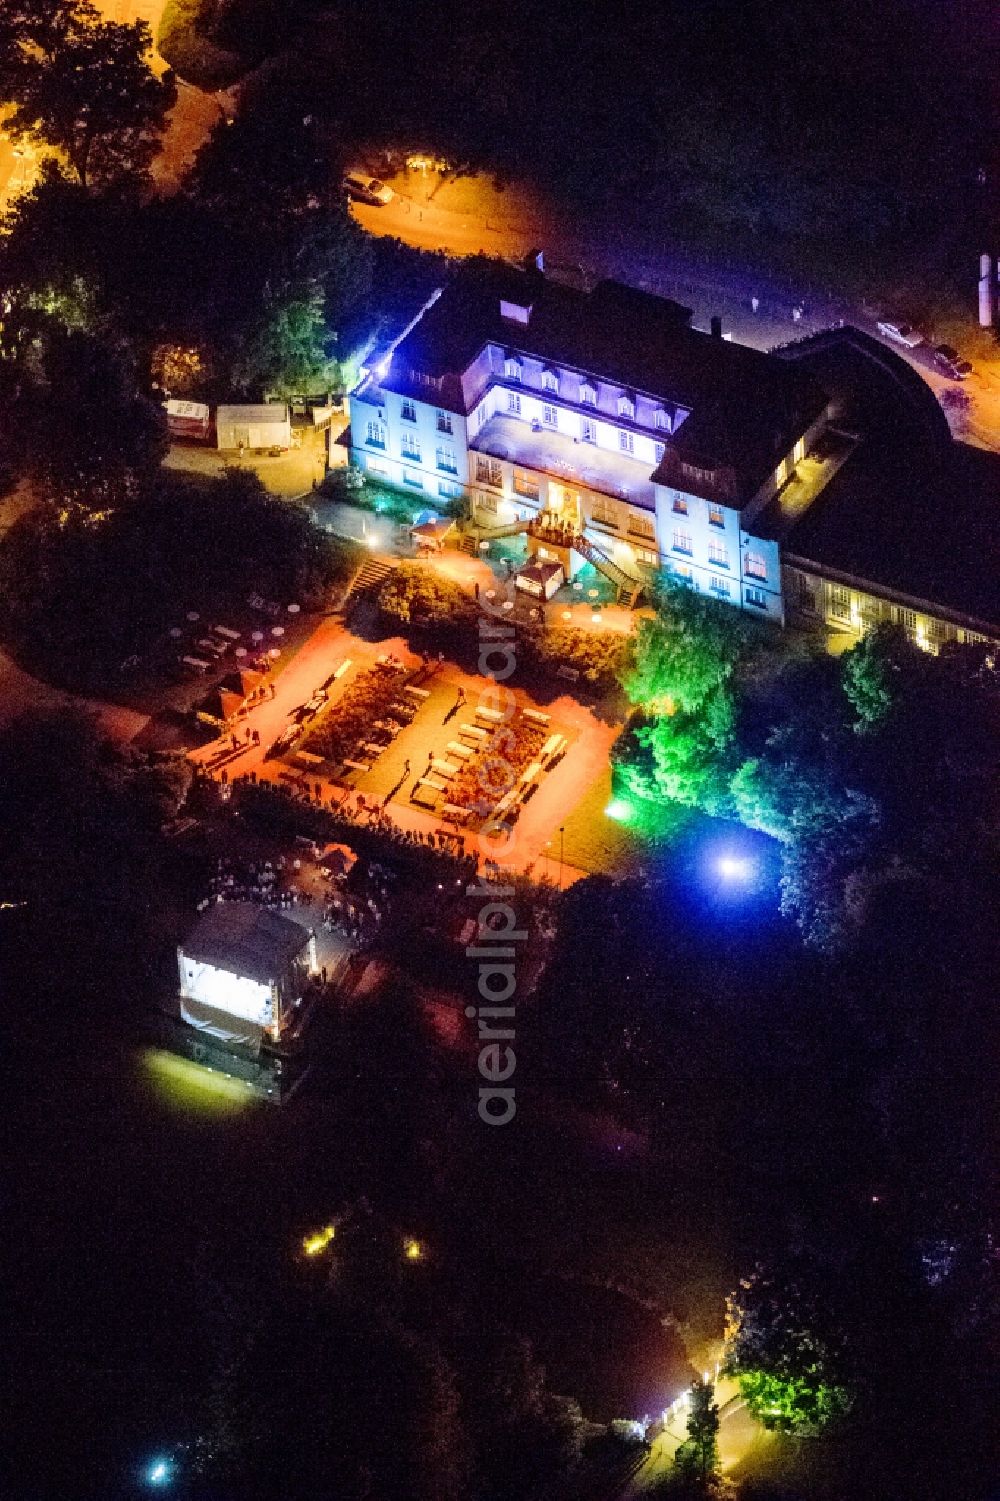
(626,407)
(662,420)
(408,411)
(641,526)
(414,480)
(716,516)
(514,402)
(550,381)
(604,513)
(682,571)
(682,542)
(588,431)
(659,449)
(588,394)
(512,368)
(755,596)
(444,422)
(445,458)
(626,442)
(376,435)
(448,491)
(489,471)
(410,447)
(718,585)
(680,506)
(549,416)
(840,603)
(755,565)
(718,554)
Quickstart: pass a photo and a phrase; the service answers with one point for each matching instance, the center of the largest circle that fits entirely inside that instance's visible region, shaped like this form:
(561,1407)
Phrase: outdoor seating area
(361,725)
(478,779)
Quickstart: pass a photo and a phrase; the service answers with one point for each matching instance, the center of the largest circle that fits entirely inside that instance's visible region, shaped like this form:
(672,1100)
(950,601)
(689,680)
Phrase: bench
(473,732)
(569,673)
(531,773)
(224,630)
(454,814)
(308,758)
(461,751)
(357,765)
(339,673)
(536,716)
(196,663)
(446,769)
(419,693)
(425,797)
(492,716)
(373,750)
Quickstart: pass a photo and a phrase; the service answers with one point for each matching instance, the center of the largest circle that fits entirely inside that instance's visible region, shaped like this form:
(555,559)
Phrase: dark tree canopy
(83,85)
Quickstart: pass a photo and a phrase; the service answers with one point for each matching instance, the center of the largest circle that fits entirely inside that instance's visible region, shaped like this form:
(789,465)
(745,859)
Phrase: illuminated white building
(243,971)
(598,422)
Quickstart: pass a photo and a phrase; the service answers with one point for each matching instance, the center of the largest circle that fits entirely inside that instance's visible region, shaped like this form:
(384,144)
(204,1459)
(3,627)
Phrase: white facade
(541,437)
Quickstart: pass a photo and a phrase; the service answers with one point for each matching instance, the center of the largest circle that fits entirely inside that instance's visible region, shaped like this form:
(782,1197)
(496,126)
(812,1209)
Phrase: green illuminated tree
(788,1349)
(83,85)
(286,354)
(686,654)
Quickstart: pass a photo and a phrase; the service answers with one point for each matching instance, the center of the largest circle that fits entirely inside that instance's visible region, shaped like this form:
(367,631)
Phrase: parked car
(367,189)
(900,333)
(950,362)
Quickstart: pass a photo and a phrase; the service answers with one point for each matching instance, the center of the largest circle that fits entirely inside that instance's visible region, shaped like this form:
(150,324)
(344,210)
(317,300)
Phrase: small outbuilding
(540,579)
(264,426)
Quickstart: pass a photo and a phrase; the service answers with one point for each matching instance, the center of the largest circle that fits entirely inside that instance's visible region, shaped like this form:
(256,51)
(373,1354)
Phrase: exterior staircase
(628,589)
(368,580)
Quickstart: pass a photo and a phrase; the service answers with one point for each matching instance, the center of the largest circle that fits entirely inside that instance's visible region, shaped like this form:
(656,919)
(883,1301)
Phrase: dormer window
(550,381)
(626,407)
(588,394)
(662,420)
(512,368)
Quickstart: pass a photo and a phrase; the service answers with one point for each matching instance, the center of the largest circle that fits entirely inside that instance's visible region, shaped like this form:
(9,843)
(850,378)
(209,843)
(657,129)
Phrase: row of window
(408,412)
(513,369)
(588,428)
(415,481)
(754,563)
(716,514)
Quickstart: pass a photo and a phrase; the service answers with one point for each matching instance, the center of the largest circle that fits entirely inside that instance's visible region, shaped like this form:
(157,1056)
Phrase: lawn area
(603,845)
(183,42)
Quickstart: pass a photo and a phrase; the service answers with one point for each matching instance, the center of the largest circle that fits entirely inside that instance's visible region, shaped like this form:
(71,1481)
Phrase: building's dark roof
(741,400)
(910,512)
(929,534)
(872,389)
(245,940)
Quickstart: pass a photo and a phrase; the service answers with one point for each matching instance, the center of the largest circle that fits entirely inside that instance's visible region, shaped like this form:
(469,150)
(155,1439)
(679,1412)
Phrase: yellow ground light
(192,1087)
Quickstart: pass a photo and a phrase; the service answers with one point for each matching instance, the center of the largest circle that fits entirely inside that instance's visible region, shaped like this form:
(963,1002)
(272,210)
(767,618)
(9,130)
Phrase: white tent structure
(264,426)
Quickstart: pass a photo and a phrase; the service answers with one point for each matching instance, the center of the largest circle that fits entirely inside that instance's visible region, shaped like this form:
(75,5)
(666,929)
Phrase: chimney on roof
(716,326)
